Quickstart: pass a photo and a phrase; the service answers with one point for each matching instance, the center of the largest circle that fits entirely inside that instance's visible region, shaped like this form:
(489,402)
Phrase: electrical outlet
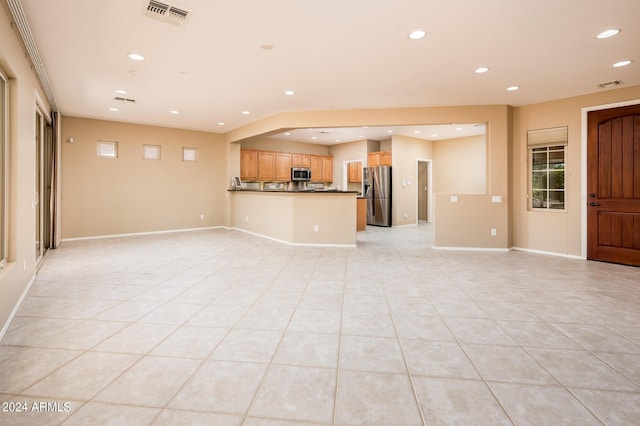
(406,216)
(246,218)
(316,228)
(494,232)
(202,216)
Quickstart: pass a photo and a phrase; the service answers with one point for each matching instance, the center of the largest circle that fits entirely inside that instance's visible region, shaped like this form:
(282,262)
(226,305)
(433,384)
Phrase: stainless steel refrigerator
(377,191)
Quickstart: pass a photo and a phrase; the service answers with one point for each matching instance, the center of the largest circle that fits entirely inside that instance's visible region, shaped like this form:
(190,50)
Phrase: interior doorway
(613,185)
(424,191)
(44,170)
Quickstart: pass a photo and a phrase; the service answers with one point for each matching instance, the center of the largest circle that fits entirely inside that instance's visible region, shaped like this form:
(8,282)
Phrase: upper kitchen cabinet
(248,165)
(300,160)
(266,165)
(327,168)
(321,168)
(355,172)
(380,158)
(283,166)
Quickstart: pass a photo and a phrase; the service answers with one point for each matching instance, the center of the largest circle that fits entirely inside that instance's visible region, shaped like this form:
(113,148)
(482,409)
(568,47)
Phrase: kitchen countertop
(306,191)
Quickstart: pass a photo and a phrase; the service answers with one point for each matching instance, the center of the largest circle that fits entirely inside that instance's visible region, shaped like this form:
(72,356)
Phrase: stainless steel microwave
(300,174)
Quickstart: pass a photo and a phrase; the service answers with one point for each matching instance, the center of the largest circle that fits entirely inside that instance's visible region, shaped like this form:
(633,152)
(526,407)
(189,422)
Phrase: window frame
(556,139)
(548,170)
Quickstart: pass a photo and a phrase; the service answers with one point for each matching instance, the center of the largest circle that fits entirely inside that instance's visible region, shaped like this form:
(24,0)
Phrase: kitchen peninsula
(324,218)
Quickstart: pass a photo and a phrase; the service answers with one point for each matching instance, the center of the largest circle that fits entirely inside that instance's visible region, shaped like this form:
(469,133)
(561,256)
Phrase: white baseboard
(16,308)
(290,243)
(501,250)
(549,253)
(408,225)
(135,234)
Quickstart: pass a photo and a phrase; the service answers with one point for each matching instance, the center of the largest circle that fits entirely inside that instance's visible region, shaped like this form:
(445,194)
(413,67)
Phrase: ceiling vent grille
(124,100)
(166,12)
(610,84)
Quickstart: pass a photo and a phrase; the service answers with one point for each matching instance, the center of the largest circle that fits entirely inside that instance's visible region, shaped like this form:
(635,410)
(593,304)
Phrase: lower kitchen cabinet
(361,214)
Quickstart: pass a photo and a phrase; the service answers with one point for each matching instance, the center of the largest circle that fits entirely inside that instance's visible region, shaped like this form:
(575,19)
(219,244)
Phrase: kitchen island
(324,218)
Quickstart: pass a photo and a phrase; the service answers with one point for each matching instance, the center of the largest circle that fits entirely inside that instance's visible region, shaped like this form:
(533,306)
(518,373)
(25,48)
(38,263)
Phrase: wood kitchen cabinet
(361,214)
(321,168)
(300,160)
(266,165)
(327,169)
(248,165)
(355,172)
(316,168)
(283,166)
(379,158)
(271,166)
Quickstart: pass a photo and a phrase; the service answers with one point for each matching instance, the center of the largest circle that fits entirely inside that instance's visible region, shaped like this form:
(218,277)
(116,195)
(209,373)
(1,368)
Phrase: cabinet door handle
(592,204)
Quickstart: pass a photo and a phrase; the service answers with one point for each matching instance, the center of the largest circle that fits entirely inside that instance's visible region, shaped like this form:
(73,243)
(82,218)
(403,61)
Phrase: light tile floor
(223,328)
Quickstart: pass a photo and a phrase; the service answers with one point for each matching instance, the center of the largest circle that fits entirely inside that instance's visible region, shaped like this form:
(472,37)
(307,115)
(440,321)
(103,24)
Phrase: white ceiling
(334,54)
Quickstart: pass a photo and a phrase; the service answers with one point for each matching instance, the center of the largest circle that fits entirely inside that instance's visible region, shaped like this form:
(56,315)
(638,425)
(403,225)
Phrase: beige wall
(459,165)
(406,151)
(24,89)
(105,196)
(556,232)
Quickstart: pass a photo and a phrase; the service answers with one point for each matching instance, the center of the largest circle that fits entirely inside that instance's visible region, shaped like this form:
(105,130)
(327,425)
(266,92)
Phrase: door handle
(592,204)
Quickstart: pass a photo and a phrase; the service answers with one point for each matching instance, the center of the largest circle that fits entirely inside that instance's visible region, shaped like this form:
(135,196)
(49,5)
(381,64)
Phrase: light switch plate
(454,199)
(496,198)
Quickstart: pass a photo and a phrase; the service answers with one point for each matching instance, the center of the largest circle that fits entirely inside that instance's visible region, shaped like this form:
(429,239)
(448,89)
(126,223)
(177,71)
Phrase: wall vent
(610,84)
(125,100)
(166,12)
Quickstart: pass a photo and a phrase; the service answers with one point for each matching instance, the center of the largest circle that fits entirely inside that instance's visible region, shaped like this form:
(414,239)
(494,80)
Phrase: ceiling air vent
(125,100)
(166,12)
(610,84)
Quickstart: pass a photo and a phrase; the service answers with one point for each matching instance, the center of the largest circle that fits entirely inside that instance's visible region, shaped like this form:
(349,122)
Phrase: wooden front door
(613,185)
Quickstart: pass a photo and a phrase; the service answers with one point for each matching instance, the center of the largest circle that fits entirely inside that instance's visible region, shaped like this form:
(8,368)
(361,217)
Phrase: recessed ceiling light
(458,128)
(435,135)
(287,134)
(246,112)
(389,131)
(220,123)
(481,70)
(337,140)
(314,137)
(114,109)
(289,92)
(608,33)
(121,91)
(622,63)
(173,111)
(512,88)
(417,34)
(361,136)
(416,132)
(136,56)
